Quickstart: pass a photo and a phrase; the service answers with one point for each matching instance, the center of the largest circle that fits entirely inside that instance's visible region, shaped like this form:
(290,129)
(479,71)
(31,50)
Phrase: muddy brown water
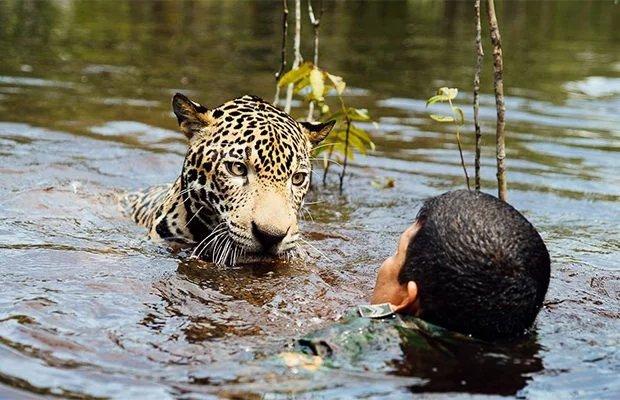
(90,309)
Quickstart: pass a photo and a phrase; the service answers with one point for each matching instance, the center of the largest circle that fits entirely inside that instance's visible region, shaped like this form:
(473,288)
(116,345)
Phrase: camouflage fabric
(362,343)
(408,346)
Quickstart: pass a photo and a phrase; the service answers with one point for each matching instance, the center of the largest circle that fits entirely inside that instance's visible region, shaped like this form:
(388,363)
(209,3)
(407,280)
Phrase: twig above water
(316,24)
(282,51)
(297,54)
(498,84)
(479,56)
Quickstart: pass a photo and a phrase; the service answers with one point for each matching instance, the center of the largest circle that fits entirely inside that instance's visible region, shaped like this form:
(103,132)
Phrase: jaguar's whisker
(229,248)
(215,232)
(193,216)
(222,250)
(323,145)
(307,203)
(234,255)
(313,247)
(328,160)
(219,229)
(309,214)
(224,257)
(215,249)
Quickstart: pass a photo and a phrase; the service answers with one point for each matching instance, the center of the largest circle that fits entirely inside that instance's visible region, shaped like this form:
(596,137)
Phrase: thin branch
(498,84)
(297,53)
(479,55)
(346,153)
(326,166)
(282,51)
(316,24)
(458,142)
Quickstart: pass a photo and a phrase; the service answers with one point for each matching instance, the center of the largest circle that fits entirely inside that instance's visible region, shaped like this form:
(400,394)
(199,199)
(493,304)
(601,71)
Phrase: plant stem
(346,141)
(498,84)
(282,51)
(346,154)
(479,55)
(297,53)
(326,166)
(316,23)
(458,142)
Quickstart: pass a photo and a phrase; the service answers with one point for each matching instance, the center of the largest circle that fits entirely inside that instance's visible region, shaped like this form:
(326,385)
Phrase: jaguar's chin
(227,246)
(270,257)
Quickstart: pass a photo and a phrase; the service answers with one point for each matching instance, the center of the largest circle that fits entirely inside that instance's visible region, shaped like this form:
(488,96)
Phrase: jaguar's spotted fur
(243,181)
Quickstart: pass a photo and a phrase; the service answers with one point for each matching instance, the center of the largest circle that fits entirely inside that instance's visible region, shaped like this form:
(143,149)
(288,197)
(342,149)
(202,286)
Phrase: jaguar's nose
(268,237)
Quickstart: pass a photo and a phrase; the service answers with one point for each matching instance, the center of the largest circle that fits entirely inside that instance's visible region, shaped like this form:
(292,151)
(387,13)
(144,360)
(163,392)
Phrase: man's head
(470,263)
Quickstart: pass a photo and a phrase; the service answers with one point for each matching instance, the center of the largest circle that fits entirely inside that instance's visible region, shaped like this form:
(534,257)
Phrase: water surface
(90,309)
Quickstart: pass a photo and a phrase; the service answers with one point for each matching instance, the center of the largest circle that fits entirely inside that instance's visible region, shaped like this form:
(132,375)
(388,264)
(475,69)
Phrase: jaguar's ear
(192,116)
(317,131)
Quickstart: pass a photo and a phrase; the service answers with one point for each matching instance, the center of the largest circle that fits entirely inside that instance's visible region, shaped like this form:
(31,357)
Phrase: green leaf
(358,114)
(355,142)
(301,84)
(296,74)
(338,82)
(435,99)
(317,82)
(355,114)
(338,148)
(363,136)
(441,118)
(449,93)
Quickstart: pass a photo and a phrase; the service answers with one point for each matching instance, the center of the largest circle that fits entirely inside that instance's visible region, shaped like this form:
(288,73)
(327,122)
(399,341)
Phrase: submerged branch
(498,84)
(479,55)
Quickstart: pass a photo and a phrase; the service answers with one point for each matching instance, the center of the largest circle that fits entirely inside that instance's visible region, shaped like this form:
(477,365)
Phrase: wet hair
(481,268)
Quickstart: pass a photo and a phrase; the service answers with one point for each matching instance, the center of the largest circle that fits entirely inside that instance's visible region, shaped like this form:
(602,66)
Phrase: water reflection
(84,103)
(474,367)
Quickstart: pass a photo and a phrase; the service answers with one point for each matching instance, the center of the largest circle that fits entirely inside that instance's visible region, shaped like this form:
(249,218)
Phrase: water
(88,308)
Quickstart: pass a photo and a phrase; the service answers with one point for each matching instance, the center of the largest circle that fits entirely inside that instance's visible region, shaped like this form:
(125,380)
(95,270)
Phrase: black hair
(480,266)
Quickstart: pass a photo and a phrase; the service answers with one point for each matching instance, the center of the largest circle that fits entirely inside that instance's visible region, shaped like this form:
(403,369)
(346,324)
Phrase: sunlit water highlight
(88,308)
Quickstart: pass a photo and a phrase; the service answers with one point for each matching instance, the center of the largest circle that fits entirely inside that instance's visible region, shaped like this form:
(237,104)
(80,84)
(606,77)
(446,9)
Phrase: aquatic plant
(446,94)
(314,85)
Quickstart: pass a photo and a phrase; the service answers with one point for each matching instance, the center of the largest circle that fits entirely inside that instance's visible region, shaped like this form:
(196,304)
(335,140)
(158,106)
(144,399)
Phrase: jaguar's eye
(299,178)
(236,168)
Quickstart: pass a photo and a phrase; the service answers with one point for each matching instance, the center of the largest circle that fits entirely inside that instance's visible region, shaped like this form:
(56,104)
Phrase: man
(470,267)
(470,263)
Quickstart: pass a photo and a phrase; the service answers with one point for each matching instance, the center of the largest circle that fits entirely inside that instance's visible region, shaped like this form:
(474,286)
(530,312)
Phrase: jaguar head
(245,175)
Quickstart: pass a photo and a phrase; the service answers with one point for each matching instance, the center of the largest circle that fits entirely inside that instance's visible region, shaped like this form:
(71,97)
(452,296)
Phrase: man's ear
(317,131)
(192,116)
(410,302)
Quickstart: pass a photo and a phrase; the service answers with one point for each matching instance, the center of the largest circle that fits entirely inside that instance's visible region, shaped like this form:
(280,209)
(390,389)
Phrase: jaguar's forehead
(253,109)
(250,128)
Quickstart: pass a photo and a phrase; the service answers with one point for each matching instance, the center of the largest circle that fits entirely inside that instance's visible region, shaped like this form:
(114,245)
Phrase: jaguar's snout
(268,236)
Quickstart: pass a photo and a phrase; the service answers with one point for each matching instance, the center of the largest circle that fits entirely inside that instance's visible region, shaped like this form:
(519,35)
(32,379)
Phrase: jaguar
(242,184)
